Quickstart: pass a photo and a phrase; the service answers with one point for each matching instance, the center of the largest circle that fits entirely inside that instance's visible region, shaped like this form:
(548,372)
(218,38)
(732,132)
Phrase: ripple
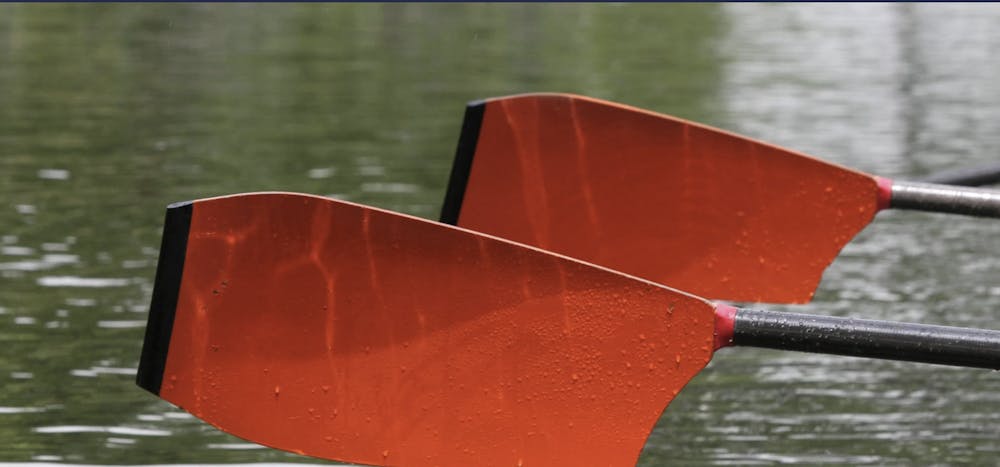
(121,324)
(119,441)
(45,262)
(783,459)
(60,258)
(235,446)
(322,172)
(76,281)
(55,246)
(389,187)
(25,320)
(53,174)
(371,171)
(149,417)
(81,302)
(802,368)
(18,410)
(178,415)
(116,430)
(136,263)
(95,371)
(16,251)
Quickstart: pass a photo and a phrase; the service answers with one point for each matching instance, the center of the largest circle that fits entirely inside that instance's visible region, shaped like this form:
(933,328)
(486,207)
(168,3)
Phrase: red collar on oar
(669,200)
(350,333)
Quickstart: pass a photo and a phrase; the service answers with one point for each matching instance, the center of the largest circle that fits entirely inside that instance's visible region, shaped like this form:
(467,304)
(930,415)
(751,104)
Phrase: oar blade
(354,334)
(668,200)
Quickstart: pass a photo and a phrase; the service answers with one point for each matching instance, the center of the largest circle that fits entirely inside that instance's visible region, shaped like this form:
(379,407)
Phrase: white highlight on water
(322,172)
(76,281)
(115,430)
(121,324)
(235,446)
(53,174)
(389,187)
(94,371)
(17,410)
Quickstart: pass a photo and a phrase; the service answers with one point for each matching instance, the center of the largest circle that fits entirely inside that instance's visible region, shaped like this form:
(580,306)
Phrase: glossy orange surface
(694,207)
(370,337)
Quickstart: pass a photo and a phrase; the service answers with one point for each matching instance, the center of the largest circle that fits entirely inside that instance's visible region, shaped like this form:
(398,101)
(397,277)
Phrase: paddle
(668,200)
(985,174)
(350,333)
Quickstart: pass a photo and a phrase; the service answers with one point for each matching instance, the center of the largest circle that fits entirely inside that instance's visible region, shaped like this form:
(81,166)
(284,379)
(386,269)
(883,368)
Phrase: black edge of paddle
(462,166)
(166,288)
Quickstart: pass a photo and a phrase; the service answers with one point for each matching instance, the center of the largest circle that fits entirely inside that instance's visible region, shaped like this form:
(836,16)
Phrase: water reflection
(110,112)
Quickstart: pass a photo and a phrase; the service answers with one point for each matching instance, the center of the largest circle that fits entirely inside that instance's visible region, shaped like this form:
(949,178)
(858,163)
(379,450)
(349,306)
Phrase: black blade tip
(165,292)
(462,166)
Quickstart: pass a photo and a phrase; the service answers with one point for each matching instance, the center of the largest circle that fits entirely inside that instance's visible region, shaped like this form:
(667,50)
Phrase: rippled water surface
(110,112)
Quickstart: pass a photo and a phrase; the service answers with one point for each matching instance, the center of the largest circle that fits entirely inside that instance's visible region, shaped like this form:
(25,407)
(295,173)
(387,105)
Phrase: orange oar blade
(365,336)
(668,200)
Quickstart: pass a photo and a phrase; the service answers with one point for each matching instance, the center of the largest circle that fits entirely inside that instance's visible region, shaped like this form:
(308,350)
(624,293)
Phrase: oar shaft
(948,199)
(923,343)
(987,174)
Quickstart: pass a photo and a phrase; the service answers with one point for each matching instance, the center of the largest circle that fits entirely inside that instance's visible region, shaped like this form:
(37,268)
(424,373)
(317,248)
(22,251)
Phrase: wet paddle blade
(349,333)
(703,210)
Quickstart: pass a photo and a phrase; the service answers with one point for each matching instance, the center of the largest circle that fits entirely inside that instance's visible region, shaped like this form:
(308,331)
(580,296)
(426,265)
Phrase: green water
(110,112)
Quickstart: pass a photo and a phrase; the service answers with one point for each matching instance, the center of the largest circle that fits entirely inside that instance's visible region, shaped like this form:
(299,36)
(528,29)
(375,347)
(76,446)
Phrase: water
(110,112)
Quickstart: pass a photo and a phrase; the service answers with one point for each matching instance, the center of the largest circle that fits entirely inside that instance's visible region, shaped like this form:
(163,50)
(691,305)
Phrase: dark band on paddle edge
(165,291)
(462,166)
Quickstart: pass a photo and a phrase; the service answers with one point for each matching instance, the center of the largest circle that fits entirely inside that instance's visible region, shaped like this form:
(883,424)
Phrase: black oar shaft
(948,199)
(987,174)
(868,338)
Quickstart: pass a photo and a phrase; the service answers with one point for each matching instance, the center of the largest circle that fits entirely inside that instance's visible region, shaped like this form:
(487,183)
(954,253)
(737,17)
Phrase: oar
(669,200)
(984,174)
(350,333)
